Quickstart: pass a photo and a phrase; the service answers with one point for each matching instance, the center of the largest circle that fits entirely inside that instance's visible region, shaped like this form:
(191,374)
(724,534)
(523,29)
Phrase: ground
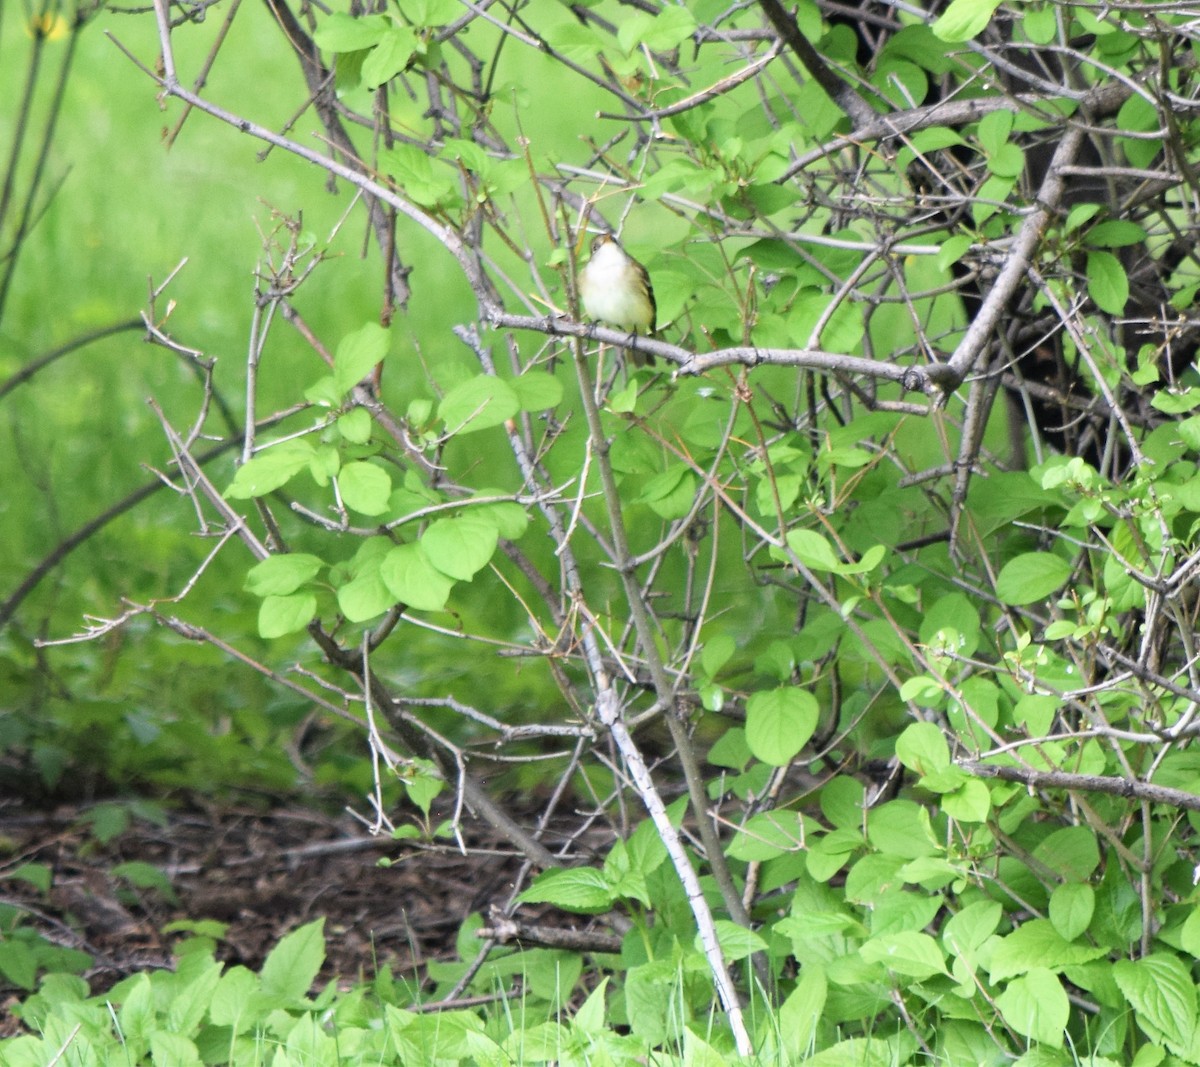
(262,873)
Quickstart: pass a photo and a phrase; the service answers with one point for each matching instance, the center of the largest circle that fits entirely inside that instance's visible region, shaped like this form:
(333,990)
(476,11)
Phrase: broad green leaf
(175,1049)
(1071,852)
(1007,162)
(510,518)
(37,875)
(365,595)
(736,941)
(972,926)
(716,653)
(1036,1006)
(1163,995)
(970,802)
(357,355)
(578,889)
(1107,282)
(671,493)
(430,13)
(282,573)
(779,723)
(671,27)
(813,550)
(994,129)
(768,835)
(537,390)
(342,33)
(413,580)
(478,404)
(291,966)
(282,615)
(1072,905)
(900,828)
(952,250)
(1115,233)
(232,1002)
(414,172)
(1174,400)
(273,467)
(355,426)
(365,487)
(460,547)
(964,19)
(390,56)
(730,750)
(843,801)
(922,748)
(1037,944)
(908,952)
(1032,576)
(801,1013)
(19,965)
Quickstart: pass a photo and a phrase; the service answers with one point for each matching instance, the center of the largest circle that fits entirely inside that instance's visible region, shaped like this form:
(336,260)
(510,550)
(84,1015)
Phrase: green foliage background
(932,706)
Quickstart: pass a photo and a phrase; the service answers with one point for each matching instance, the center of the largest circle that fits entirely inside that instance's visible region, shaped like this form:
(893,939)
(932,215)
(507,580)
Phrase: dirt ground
(262,873)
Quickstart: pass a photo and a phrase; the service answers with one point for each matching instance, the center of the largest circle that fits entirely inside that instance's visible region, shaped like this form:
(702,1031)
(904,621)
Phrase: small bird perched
(616,290)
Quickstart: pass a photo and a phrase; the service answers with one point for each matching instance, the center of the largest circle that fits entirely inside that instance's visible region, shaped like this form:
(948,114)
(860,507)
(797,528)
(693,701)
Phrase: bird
(616,290)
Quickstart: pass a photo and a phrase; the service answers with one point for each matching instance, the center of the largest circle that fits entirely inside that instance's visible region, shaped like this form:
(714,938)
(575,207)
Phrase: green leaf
(907,952)
(715,653)
(365,595)
(510,519)
(537,390)
(279,616)
(1115,233)
(994,129)
(390,56)
(1036,1006)
(1107,282)
(922,748)
(1163,996)
(970,802)
(145,876)
(342,33)
(1037,944)
(813,550)
(736,941)
(460,547)
(478,404)
(365,488)
(779,723)
(803,1010)
(1007,162)
(282,573)
(972,926)
(358,354)
(273,467)
(1031,577)
(37,875)
(175,1049)
(19,965)
(671,27)
(952,250)
(768,835)
(964,19)
(355,426)
(580,889)
(414,172)
(1071,852)
(671,493)
(413,580)
(1072,905)
(289,970)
